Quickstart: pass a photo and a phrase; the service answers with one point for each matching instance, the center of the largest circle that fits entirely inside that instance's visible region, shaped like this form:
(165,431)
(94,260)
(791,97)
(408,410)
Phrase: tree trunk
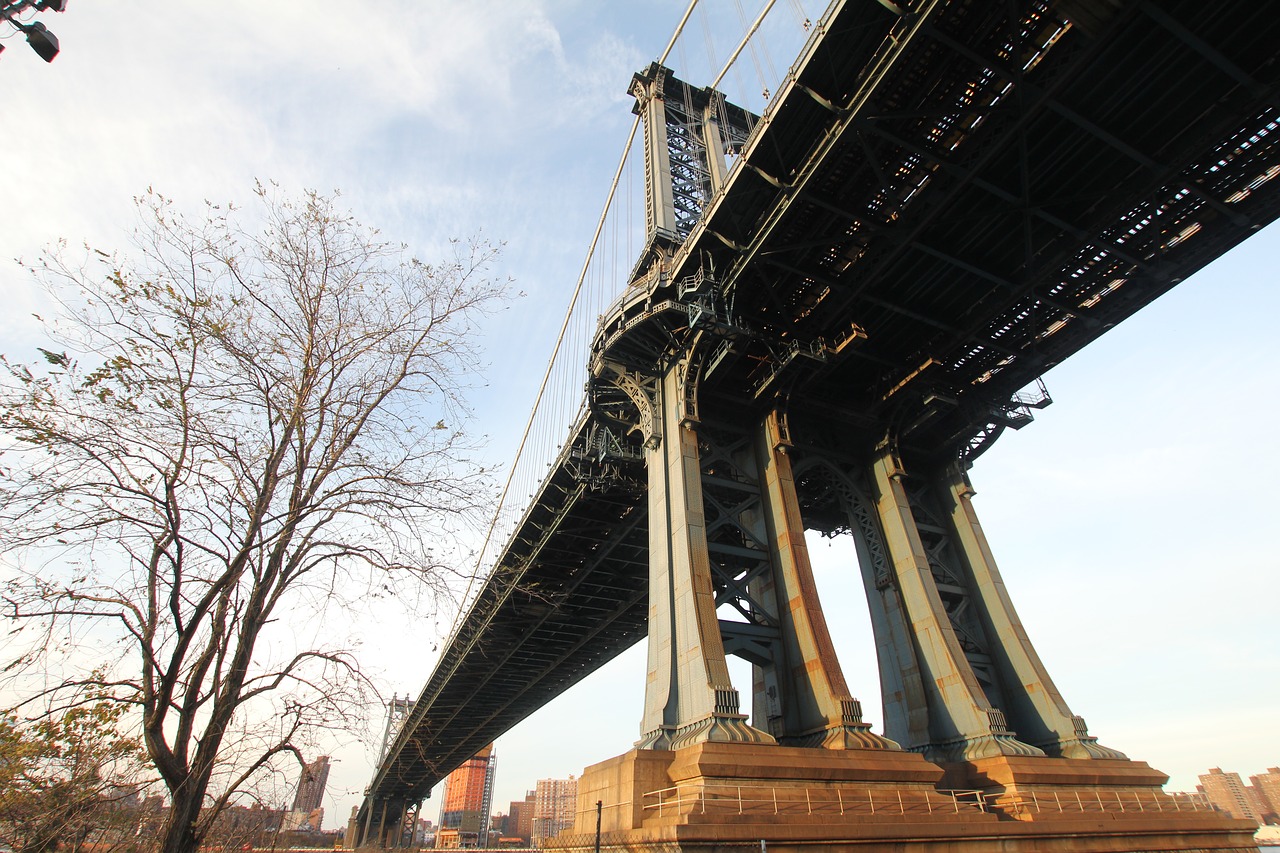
(179,832)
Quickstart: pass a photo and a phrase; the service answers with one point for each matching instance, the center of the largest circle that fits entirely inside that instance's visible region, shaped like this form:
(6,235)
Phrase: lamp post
(43,42)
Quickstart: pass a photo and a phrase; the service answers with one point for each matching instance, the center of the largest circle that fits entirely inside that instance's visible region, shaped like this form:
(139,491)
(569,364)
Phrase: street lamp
(43,42)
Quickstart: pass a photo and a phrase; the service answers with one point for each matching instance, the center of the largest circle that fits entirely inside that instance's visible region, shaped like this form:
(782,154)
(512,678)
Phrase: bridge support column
(801,688)
(689,697)
(947,619)
(1032,703)
(962,721)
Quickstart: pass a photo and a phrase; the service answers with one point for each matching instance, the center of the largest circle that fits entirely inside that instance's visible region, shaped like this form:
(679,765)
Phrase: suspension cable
(733,57)
(679,30)
(573,301)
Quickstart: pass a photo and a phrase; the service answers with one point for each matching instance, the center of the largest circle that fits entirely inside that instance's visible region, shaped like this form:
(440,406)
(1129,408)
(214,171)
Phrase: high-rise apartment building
(1267,788)
(555,804)
(1227,792)
(520,818)
(467,802)
(311,786)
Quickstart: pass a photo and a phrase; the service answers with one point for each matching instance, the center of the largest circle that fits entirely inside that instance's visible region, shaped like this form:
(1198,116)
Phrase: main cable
(742,45)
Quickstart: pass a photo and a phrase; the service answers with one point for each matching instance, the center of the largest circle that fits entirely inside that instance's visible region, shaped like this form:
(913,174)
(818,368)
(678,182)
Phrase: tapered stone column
(1032,704)
(688,695)
(963,724)
(814,707)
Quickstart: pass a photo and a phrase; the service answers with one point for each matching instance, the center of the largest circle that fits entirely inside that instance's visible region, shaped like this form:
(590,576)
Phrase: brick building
(554,809)
(1227,792)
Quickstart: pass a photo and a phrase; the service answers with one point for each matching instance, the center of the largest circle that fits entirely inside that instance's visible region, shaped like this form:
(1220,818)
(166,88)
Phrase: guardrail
(1093,800)
(852,800)
(843,800)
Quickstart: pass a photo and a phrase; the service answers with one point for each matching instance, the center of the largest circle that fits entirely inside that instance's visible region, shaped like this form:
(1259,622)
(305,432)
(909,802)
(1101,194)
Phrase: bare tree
(242,424)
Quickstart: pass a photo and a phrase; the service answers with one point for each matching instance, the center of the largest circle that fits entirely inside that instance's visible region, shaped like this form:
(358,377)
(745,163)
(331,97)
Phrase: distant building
(296,820)
(467,802)
(555,808)
(508,843)
(151,814)
(520,818)
(306,814)
(1267,792)
(311,786)
(237,826)
(1227,792)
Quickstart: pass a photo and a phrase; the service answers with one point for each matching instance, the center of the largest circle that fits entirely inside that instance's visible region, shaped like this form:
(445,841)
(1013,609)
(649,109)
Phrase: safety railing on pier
(888,801)
(795,800)
(1095,800)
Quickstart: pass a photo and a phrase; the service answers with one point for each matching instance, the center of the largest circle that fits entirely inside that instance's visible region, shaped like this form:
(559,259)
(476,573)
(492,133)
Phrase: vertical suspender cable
(573,301)
(742,44)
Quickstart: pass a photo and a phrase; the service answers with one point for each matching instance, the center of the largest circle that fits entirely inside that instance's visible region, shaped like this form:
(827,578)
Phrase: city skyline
(1128,521)
(1254,801)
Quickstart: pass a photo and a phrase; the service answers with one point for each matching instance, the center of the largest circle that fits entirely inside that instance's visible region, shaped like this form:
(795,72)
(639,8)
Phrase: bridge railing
(1094,800)
(766,800)
(780,801)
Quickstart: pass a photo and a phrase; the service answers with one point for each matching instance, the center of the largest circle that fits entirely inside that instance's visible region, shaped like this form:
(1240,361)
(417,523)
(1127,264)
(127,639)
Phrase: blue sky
(1133,521)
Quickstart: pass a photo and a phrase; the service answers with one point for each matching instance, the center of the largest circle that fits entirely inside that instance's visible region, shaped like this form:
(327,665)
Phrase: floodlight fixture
(43,42)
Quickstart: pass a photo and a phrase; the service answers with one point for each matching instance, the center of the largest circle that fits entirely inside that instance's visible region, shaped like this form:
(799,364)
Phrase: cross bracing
(936,209)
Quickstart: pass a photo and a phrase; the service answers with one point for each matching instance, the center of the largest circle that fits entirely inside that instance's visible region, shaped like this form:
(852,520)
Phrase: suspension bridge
(841,297)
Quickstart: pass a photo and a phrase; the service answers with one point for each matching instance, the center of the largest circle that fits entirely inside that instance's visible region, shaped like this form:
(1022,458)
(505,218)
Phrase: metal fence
(884,800)
(1094,800)
(796,800)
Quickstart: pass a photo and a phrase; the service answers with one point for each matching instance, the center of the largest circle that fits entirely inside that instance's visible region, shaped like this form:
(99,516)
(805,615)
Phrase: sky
(1133,521)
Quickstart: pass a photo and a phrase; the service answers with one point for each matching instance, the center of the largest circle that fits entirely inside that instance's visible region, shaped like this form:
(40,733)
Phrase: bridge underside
(982,201)
(938,208)
(568,597)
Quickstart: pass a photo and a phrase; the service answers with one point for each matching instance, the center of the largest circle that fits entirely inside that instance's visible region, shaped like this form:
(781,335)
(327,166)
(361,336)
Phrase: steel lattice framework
(941,204)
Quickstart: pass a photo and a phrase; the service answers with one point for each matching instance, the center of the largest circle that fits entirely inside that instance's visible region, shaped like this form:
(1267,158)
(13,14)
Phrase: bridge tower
(724,522)
(968,703)
(961,679)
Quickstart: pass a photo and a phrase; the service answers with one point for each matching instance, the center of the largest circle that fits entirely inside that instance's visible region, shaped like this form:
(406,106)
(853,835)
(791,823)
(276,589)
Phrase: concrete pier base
(734,796)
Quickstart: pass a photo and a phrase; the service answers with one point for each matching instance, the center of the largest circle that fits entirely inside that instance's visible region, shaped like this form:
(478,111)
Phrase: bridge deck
(981,196)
